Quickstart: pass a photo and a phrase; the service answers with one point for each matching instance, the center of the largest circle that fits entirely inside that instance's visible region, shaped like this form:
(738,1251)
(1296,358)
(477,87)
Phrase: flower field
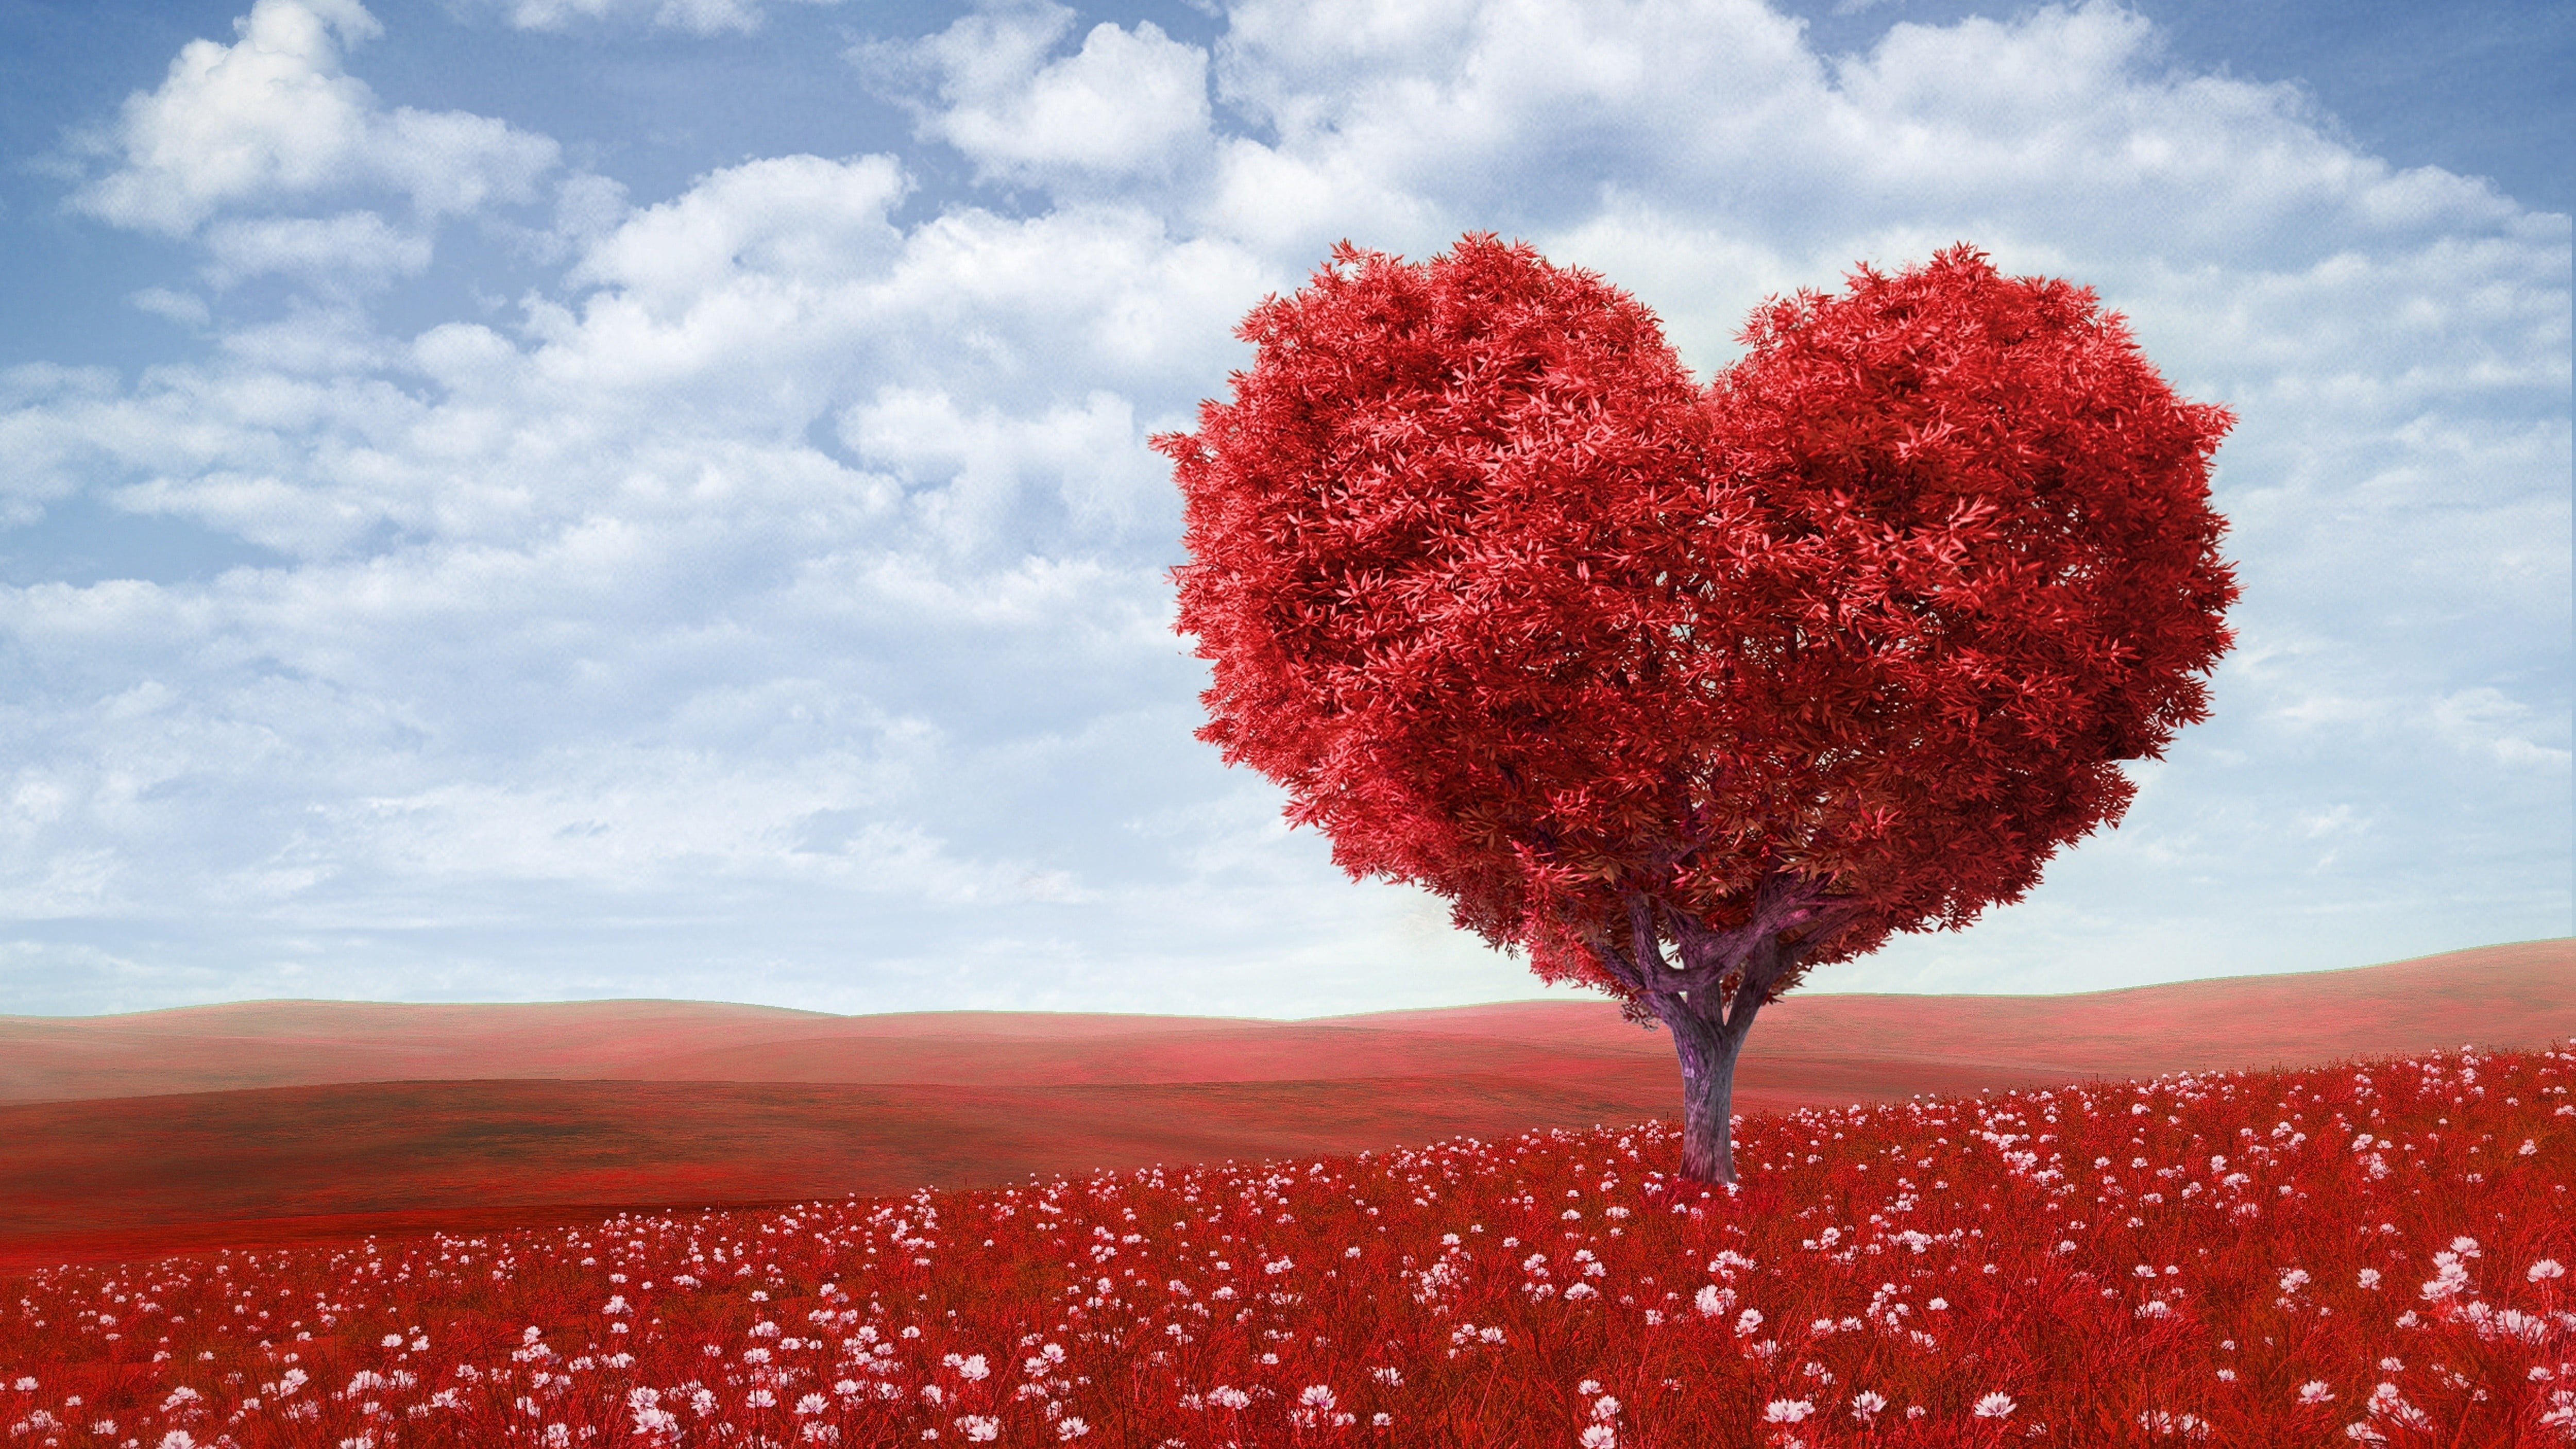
(2365,1253)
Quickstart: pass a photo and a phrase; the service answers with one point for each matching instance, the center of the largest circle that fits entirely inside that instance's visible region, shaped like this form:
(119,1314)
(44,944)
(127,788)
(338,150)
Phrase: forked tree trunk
(1708,1048)
(1693,998)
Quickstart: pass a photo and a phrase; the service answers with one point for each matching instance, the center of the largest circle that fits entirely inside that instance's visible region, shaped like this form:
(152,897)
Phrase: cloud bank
(771,604)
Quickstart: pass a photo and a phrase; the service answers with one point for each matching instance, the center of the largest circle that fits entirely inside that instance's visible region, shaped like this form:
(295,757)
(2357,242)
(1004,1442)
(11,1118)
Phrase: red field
(282,1122)
(2368,1253)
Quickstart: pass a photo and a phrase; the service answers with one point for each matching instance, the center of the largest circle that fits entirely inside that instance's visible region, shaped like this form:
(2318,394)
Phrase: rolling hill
(276,1121)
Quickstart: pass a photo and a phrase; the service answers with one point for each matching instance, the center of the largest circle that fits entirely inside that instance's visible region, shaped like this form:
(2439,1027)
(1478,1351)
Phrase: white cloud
(796,221)
(699,17)
(2334,820)
(356,247)
(1129,102)
(184,308)
(274,118)
(1093,454)
(2490,722)
(268,511)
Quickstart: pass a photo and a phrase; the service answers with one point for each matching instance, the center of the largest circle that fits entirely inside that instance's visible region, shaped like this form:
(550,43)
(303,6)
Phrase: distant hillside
(2519,994)
(273,1122)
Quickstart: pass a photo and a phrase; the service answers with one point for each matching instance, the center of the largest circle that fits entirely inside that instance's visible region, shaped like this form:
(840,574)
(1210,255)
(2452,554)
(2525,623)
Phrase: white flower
(1747,1321)
(811,1404)
(1228,1397)
(2449,1278)
(1600,1436)
(1786,1411)
(980,1429)
(2545,1268)
(1071,1428)
(1865,1405)
(2314,1391)
(2370,1277)
(1605,1408)
(1995,1406)
(1316,1396)
(2294,1280)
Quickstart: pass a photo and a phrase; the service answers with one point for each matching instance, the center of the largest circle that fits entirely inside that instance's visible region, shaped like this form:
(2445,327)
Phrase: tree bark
(1707,1051)
(1708,1030)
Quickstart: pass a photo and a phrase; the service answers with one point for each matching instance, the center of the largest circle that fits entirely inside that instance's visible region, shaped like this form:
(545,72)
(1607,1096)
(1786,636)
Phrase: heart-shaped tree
(1686,690)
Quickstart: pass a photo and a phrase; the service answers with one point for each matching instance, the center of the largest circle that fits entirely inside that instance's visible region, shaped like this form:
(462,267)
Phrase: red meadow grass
(2363,1253)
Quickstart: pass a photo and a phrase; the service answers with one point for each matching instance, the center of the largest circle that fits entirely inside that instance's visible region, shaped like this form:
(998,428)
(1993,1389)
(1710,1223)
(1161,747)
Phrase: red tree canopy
(1517,611)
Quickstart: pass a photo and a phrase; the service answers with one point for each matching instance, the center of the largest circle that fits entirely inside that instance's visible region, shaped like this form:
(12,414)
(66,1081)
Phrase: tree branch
(1644,941)
(1619,967)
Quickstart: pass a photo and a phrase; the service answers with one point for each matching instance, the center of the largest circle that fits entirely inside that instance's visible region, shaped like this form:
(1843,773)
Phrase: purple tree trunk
(1708,1050)
(1708,998)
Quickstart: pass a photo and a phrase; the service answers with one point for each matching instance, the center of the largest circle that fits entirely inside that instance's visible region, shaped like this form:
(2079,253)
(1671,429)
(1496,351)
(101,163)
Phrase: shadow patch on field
(108,1174)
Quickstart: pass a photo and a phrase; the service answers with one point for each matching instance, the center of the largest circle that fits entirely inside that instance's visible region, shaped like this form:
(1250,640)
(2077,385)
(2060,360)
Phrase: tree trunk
(1708,1047)
(1707,1019)
(1708,1027)
(1708,1094)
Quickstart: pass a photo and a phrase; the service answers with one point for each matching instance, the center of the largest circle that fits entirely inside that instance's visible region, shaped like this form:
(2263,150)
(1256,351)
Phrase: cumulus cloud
(771,601)
(274,119)
(796,220)
(357,246)
(1092,453)
(1128,103)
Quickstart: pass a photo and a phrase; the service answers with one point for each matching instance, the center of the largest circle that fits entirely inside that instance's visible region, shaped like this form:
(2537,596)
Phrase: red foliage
(1847,643)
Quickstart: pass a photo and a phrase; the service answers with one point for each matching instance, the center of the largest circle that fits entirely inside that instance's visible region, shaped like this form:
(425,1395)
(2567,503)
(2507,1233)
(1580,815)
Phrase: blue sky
(527,499)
